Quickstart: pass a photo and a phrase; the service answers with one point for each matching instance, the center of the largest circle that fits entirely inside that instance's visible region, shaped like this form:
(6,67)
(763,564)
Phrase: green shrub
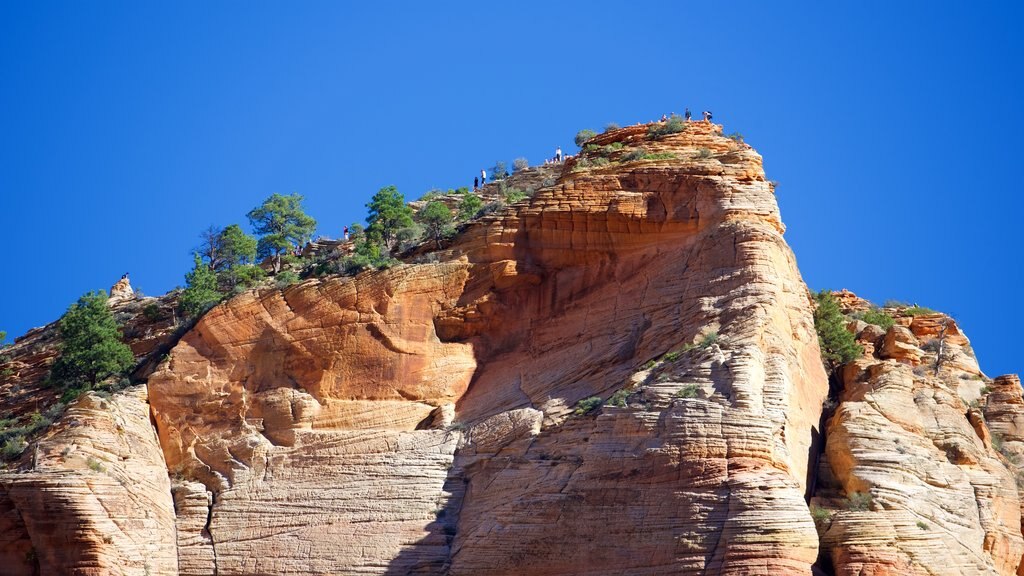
(878,317)
(94,464)
(513,195)
(584,163)
(918,311)
(688,391)
(922,525)
(896,304)
(611,126)
(837,345)
(704,153)
(520,164)
(635,154)
(91,348)
(649,364)
(674,125)
(588,405)
(708,340)
(13,447)
(660,156)
(281,225)
(388,213)
(431,195)
(985,390)
(859,501)
(469,207)
(490,208)
(285,278)
(583,135)
(821,515)
(735,137)
(619,398)
(671,356)
(499,171)
(152,312)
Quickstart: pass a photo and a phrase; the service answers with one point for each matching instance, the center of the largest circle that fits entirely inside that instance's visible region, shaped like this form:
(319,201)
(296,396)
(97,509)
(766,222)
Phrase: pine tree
(281,225)
(838,346)
(388,214)
(91,348)
(200,292)
(437,219)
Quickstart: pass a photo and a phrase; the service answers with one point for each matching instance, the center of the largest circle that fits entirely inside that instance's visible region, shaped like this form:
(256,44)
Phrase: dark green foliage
(281,225)
(878,317)
(620,398)
(387,215)
(286,278)
(588,405)
(3,337)
(14,438)
(688,391)
(226,247)
(152,312)
(583,135)
(520,164)
(437,220)
(367,255)
(470,205)
(918,311)
(838,345)
(431,195)
(673,125)
(513,195)
(91,348)
(200,293)
(242,276)
(708,340)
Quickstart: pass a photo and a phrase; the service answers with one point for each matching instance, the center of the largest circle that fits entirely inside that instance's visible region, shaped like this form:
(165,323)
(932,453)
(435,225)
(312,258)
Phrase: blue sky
(126,128)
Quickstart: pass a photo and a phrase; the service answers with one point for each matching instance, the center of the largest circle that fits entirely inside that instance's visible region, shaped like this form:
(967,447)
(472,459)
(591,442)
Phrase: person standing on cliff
(483,177)
(346,233)
(558,154)
(707,116)
(476,183)
(687,114)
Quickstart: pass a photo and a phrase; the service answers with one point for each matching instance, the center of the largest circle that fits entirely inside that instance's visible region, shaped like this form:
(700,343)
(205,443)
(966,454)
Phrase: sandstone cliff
(617,375)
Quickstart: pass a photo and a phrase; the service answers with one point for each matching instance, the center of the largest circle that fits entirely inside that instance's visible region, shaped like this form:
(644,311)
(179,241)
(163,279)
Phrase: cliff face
(619,375)
(421,418)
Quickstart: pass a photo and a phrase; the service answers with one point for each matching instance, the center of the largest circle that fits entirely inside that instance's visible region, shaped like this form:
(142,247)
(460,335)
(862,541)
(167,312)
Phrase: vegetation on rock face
(520,164)
(437,220)
(469,207)
(201,291)
(281,224)
(878,317)
(838,345)
(231,254)
(673,125)
(918,311)
(588,405)
(388,213)
(583,135)
(91,349)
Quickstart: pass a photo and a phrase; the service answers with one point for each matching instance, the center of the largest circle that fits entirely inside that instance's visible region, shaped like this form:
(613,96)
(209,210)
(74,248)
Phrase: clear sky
(893,128)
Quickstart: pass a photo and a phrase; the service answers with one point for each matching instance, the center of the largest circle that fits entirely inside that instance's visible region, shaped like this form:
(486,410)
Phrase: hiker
(664,117)
(687,114)
(707,116)
(558,154)
(346,233)
(476,183)
(483,177)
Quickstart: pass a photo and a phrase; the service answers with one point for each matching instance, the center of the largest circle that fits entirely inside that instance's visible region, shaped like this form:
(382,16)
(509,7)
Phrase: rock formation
(619,375)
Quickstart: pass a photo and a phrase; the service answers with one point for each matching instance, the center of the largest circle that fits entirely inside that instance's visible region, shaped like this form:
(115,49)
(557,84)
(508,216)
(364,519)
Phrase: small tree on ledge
(281,225)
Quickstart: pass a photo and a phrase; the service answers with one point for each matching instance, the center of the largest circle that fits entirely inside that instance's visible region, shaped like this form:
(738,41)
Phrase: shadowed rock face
(315,429)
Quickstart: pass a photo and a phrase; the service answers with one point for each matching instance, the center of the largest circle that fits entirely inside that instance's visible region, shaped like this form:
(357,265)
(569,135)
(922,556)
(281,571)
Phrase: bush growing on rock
(499,171)
(611,126)
(520,164)
(859,501)
(837,345)
(878,317)
(469,207)
(688,391)
(437,220)
(674,125)
(91,349)
(583,135)
(388,213)
(588,405)
(201,292)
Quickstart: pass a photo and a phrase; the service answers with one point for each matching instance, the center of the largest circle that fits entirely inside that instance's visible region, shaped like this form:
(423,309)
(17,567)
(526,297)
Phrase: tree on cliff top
(281,225)
(437,219)
(201,291)
(91,348)
(222,248)
(837,344)
(388,214)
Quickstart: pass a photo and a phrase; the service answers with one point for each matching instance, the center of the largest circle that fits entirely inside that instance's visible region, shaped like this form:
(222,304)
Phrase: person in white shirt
(483,177)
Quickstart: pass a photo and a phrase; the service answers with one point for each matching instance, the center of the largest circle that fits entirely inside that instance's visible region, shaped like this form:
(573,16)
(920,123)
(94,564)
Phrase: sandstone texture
(912,481)
(618,374)
(312,421)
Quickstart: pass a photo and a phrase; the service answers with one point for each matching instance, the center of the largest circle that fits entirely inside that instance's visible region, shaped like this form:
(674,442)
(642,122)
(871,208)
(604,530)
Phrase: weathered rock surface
(269,402)
(96,498)
(915,483)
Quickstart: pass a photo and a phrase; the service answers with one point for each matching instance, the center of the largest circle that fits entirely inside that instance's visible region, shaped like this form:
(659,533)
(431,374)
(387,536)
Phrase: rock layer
(532,310)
